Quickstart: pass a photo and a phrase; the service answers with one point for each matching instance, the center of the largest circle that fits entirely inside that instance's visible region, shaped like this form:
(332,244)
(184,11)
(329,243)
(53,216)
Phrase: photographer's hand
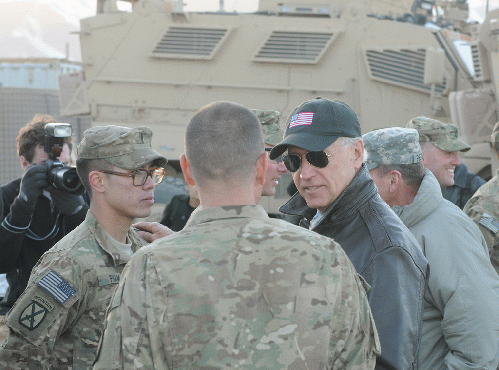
(69,204)
(33,183)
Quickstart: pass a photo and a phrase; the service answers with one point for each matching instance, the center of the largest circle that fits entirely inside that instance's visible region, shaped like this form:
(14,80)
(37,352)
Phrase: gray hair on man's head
(223,141)
(347,142)
(412,174)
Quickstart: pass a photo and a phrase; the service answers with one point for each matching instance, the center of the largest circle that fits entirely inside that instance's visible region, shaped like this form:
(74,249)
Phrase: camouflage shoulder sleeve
(43,312)
(355,343)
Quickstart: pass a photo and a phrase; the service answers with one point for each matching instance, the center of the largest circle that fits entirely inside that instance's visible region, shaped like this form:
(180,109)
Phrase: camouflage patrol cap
(269,119)
(124,147)
(394,145)
(442,135)
(495,133)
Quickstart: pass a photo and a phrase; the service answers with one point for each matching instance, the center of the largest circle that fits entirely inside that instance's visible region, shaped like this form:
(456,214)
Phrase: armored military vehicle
(390,60)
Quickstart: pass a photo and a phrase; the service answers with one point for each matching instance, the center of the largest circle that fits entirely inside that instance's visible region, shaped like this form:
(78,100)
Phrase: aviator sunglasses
(316,159)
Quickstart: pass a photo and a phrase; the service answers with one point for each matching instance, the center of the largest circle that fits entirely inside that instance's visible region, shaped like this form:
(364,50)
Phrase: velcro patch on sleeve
(32,315)
(57,287)
(489,222)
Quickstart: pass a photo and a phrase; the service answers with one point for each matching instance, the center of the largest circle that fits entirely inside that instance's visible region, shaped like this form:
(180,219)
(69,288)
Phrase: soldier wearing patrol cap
(440,146)
(235,288)
(461,307)
(483,207)
(272,134)
(337,198)
(58,321)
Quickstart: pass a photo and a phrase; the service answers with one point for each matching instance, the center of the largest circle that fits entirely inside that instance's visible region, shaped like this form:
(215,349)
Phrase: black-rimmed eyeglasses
(139,176)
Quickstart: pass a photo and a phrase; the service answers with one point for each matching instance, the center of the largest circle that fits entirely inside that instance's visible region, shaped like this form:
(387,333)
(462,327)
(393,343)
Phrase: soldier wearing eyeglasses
(58,321)
(336,197)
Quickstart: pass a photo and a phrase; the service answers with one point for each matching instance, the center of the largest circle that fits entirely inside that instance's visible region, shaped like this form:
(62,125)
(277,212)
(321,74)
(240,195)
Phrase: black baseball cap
(316,124)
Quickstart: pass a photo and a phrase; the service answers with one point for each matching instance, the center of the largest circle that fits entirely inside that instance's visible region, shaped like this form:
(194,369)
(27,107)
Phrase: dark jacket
(25,234)
(465,185)
(177,212)
(385,254)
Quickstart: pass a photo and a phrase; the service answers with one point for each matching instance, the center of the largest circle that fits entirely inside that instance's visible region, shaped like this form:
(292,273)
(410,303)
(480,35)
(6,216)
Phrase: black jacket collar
(359,191)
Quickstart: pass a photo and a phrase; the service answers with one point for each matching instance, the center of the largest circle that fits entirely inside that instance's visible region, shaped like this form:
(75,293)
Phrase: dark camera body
(63,177)
(60,176)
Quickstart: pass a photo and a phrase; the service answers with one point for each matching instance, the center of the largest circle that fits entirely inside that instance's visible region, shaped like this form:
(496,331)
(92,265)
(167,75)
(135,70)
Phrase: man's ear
(98,181)
(358,154)
(395,180)
(24,163)
(186,170)
(261,168)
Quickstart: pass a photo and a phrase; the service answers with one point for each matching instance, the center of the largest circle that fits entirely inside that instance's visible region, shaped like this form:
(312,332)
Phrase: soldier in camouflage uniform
(272,134)
(483,208)
(461,307)
(234,288)
(440,145)
(58,320)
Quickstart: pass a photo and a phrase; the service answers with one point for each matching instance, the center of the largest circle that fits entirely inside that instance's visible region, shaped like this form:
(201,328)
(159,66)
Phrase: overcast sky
(43,28)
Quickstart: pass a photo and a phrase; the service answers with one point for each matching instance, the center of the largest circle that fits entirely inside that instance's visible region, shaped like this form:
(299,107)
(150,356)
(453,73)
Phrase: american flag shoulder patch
(301,119)
(57,287)
(489,223)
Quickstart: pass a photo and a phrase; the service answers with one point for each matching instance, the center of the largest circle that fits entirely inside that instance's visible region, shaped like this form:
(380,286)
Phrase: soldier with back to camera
(59,319)
(272,134)
(337,198)
(236,288)
(461,306)
(35,214)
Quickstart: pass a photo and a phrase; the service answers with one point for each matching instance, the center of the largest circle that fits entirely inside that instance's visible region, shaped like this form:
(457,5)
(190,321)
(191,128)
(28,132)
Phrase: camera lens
(66,179)
(70,179)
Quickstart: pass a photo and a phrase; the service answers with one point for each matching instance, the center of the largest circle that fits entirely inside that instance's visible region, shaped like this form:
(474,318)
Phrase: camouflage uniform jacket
(236,289)
(387,256)
(483,208)
(461,309)
(58,320)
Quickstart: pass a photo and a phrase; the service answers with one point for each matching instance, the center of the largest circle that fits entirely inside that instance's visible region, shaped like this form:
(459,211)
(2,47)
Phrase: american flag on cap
(301,119)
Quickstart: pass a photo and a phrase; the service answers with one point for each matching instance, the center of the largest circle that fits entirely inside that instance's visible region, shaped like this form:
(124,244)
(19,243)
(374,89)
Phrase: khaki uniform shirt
(236,289)
(483,208)
(58,320)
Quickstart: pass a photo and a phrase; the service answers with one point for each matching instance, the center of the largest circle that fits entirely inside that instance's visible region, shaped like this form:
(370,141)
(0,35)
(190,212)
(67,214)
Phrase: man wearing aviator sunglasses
(60,316)
(336,197)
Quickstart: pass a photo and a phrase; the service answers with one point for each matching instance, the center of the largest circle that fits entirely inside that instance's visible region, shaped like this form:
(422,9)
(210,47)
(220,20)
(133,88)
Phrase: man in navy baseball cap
(324,151)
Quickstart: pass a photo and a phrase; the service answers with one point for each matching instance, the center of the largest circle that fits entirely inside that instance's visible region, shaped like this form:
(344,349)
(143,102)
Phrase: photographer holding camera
(36,214)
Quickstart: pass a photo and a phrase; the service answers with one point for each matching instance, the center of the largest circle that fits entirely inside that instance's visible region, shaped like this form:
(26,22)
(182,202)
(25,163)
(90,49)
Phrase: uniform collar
(200,215)
(109,244)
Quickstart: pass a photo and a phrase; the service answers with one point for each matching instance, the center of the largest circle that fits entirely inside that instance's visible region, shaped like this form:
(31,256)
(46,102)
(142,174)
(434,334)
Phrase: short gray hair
(411,173)
(223,141)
